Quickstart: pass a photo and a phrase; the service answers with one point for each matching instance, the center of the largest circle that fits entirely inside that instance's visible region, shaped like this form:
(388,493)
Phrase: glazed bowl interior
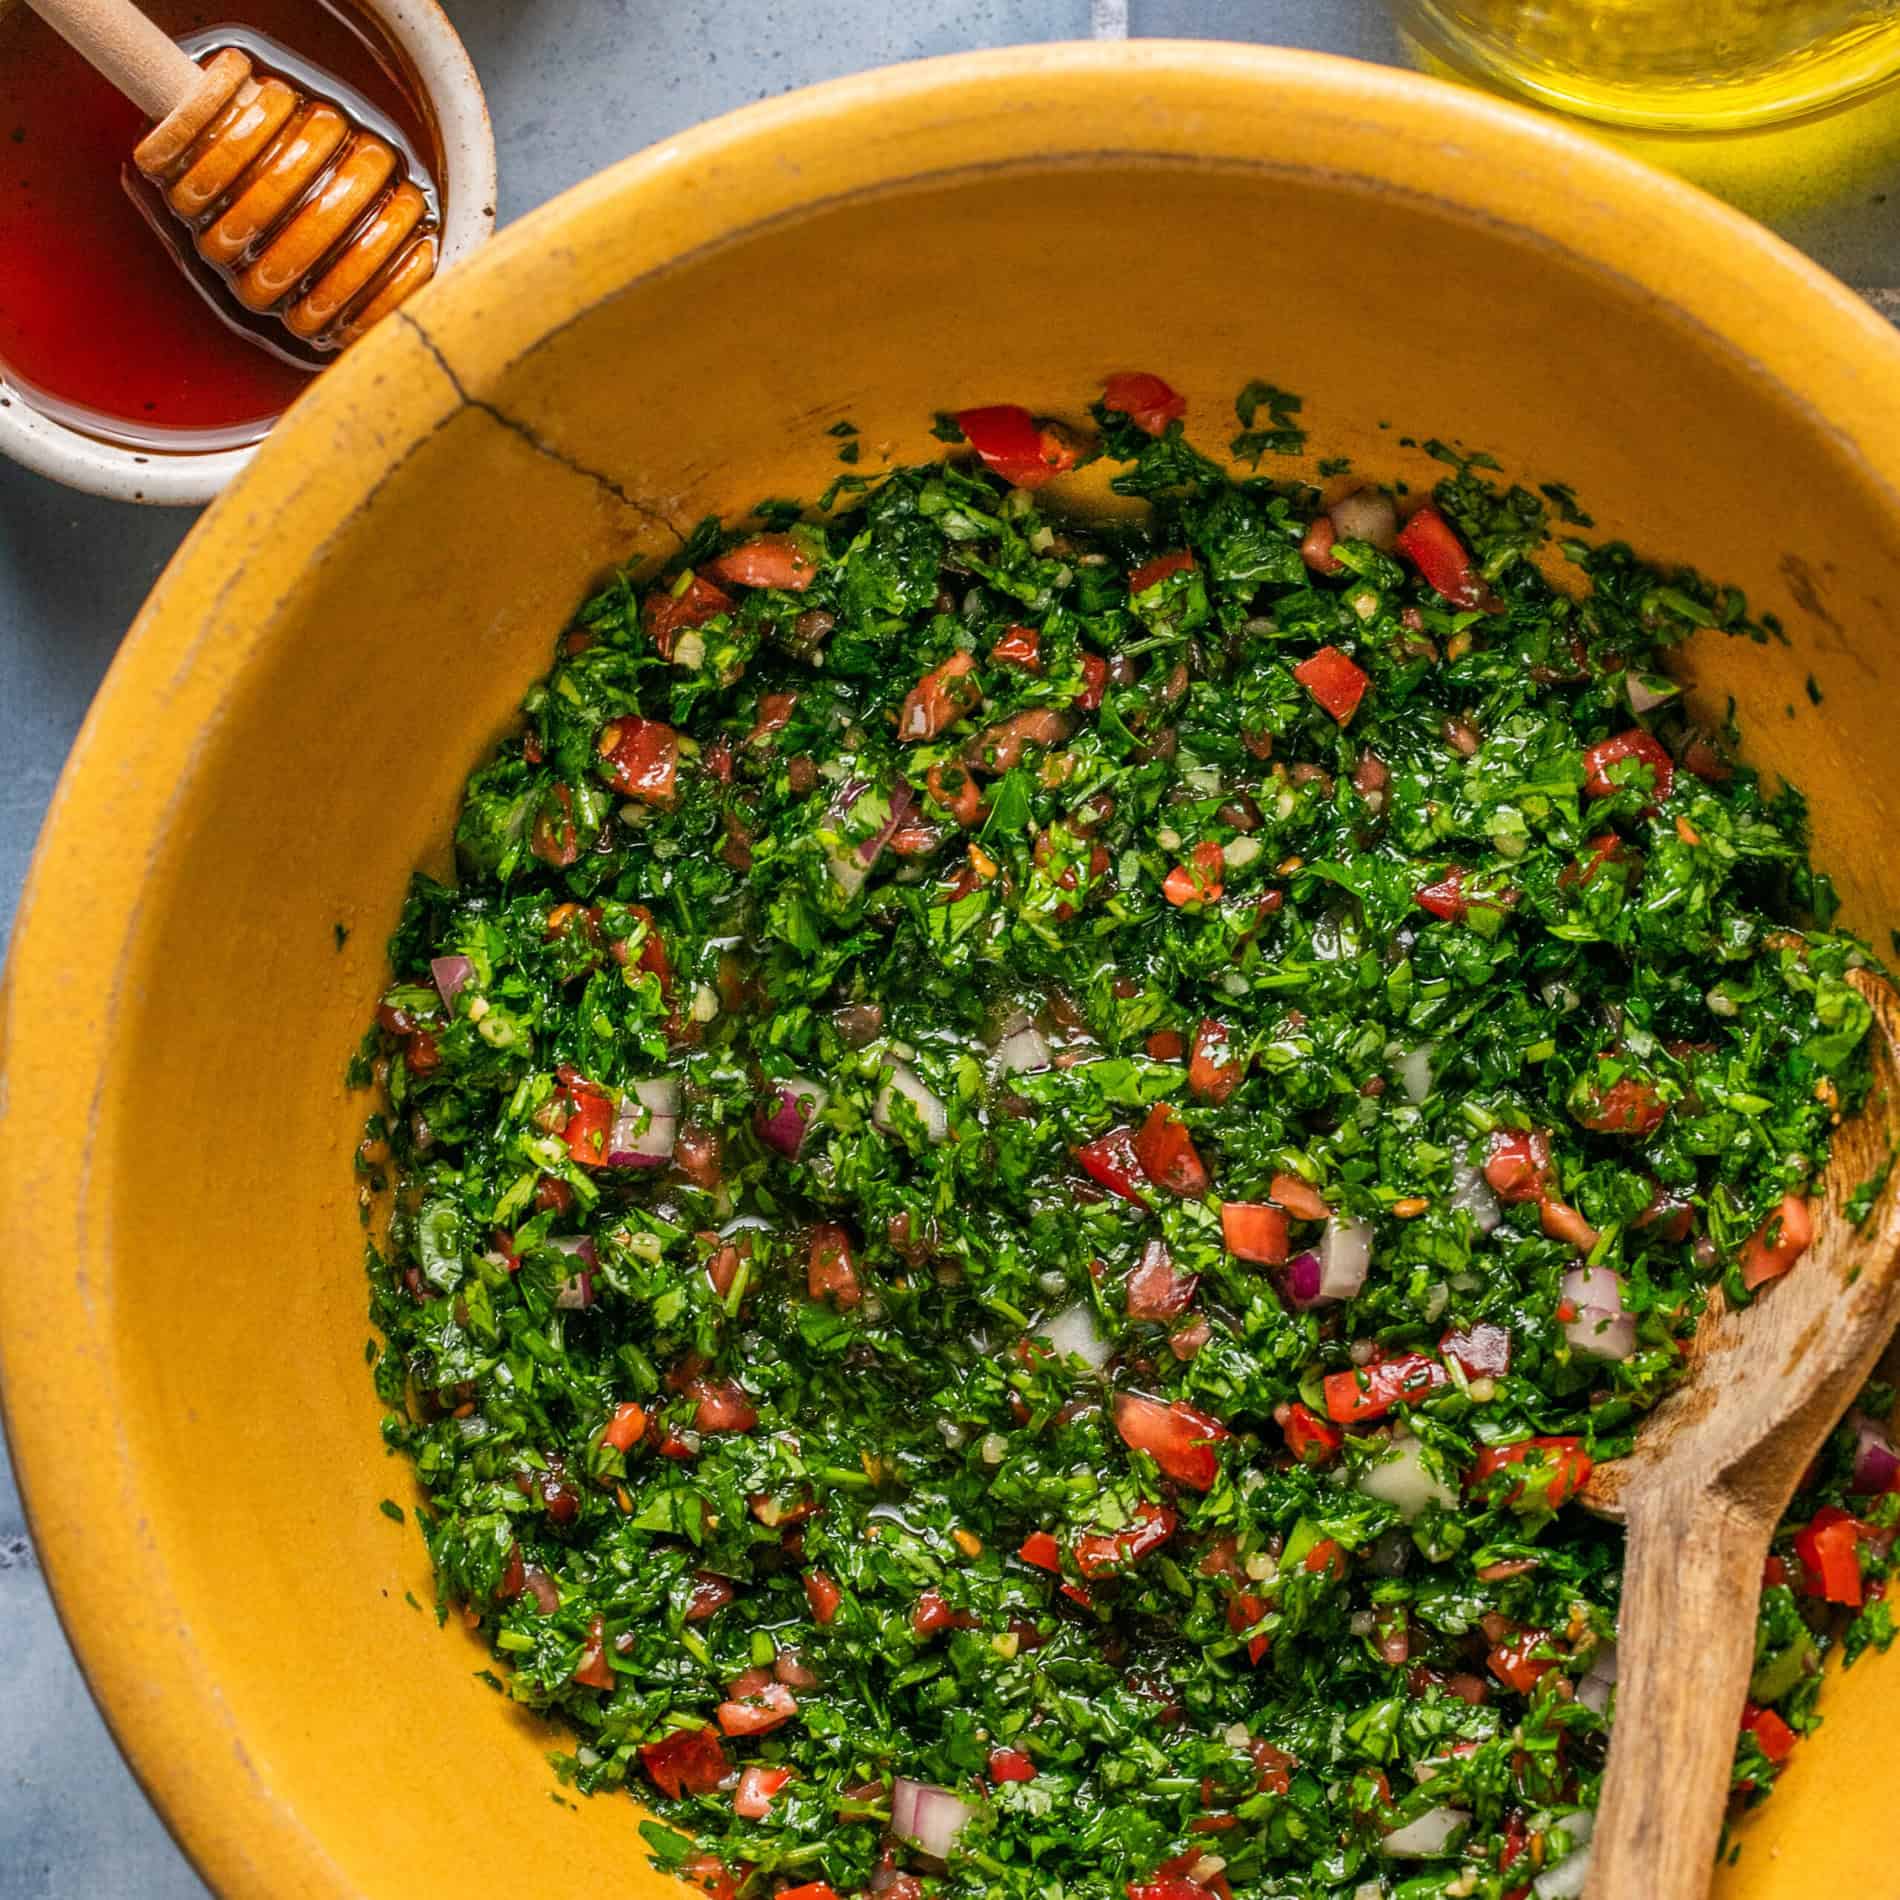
(182,1324)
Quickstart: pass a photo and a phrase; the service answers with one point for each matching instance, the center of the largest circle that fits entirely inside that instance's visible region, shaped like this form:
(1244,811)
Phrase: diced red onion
(1472,1192)
(1366,516)
(1644,697)
(1300,1281)
(842,862)
(1074,1330)
(577,1290)
(452,976)
(1876,1464)
(1427,1838)
(646,1125)
(927,1817)
(901,1079)
(1603,1327)
(901,800)
(1345,1255)
(1415,1073)
(1403,1480)
(800,1103)
(1023,1051)
(540,1586)
(1594,1690)
(1566,1881)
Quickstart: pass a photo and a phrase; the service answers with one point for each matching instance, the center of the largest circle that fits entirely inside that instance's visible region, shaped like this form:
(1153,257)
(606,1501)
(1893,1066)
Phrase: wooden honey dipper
(303,215)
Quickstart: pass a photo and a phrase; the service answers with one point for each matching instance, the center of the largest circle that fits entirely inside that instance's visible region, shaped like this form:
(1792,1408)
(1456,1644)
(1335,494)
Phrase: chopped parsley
(1030,1161)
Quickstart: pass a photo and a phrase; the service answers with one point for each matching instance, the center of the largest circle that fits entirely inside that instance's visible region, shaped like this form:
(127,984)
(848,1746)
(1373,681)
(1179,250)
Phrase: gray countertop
(574,85)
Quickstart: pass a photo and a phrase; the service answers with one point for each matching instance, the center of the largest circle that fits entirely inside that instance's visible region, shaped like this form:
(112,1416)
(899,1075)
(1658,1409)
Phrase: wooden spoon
(1711,1472)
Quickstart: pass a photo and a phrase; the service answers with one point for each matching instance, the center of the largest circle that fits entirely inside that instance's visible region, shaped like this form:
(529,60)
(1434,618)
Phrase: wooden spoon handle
(1685,1644)
(137,56)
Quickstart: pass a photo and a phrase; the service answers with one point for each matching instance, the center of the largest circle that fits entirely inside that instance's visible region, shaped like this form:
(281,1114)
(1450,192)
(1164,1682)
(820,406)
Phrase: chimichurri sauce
(1030,1164)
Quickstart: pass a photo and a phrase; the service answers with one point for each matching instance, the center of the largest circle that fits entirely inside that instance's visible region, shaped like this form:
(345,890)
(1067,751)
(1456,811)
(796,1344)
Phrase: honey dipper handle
(1685,1644)
(139,58)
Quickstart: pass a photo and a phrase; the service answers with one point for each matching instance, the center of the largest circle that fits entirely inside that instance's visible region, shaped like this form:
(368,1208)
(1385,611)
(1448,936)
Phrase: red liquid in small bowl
(101,326)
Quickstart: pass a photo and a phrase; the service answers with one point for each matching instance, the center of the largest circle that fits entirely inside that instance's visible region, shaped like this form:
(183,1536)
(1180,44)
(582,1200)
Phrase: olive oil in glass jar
(1685,65)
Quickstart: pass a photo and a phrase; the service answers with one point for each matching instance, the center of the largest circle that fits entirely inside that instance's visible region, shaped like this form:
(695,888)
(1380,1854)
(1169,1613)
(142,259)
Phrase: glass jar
(1688,65)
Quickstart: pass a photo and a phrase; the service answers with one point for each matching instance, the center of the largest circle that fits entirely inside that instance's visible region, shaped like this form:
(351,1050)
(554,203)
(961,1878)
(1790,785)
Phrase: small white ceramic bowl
(420,31)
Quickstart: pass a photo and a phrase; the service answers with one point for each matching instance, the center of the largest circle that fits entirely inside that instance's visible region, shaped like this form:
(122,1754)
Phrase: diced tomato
(1100,1553)
(1636,744)
(938,700)
(642,758)
(1111,1159)
(956,790)
(711,1594)
(1153,573)
(1325,1558)
(1167,1154)
(653,960)
(1772,1735)
(669,611)
(722,1406)
(1446,898)
(1829,1549)
(1155,1289)
(1335,682)
(810,1890)
(1774,1573)
(767,560)
(1628,1106)
(696,1156)
(1042,1550)
(1251,1230)
(1562,1222)
(1778,1242)
(1518,1166)
(1019,646)
(1174,1887)
(1215,1067)
(709,1875)
(823,1595)
(1008,443)
(689,1761)
(757,1785)
(1164,1045)
(1147,402)
(594,1671)
(1511,1661)
(761,1709)
(1482,1351)
(1603,849)
(552,837)
(932,1614)
(590,1117)
(1273,1765)
(1094,682)
(1198,881)
(1004,744)
(1244,1610)
(1300,1198)
(1556,1469)
(1372,1391)
(830,1272)
(626,1428)
(1308,1437)
(1011,1764)
(1178,1438)
(1432,545)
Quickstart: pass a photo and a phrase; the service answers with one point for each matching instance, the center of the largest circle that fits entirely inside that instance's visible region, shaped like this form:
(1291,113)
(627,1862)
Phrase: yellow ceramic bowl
(287,729)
